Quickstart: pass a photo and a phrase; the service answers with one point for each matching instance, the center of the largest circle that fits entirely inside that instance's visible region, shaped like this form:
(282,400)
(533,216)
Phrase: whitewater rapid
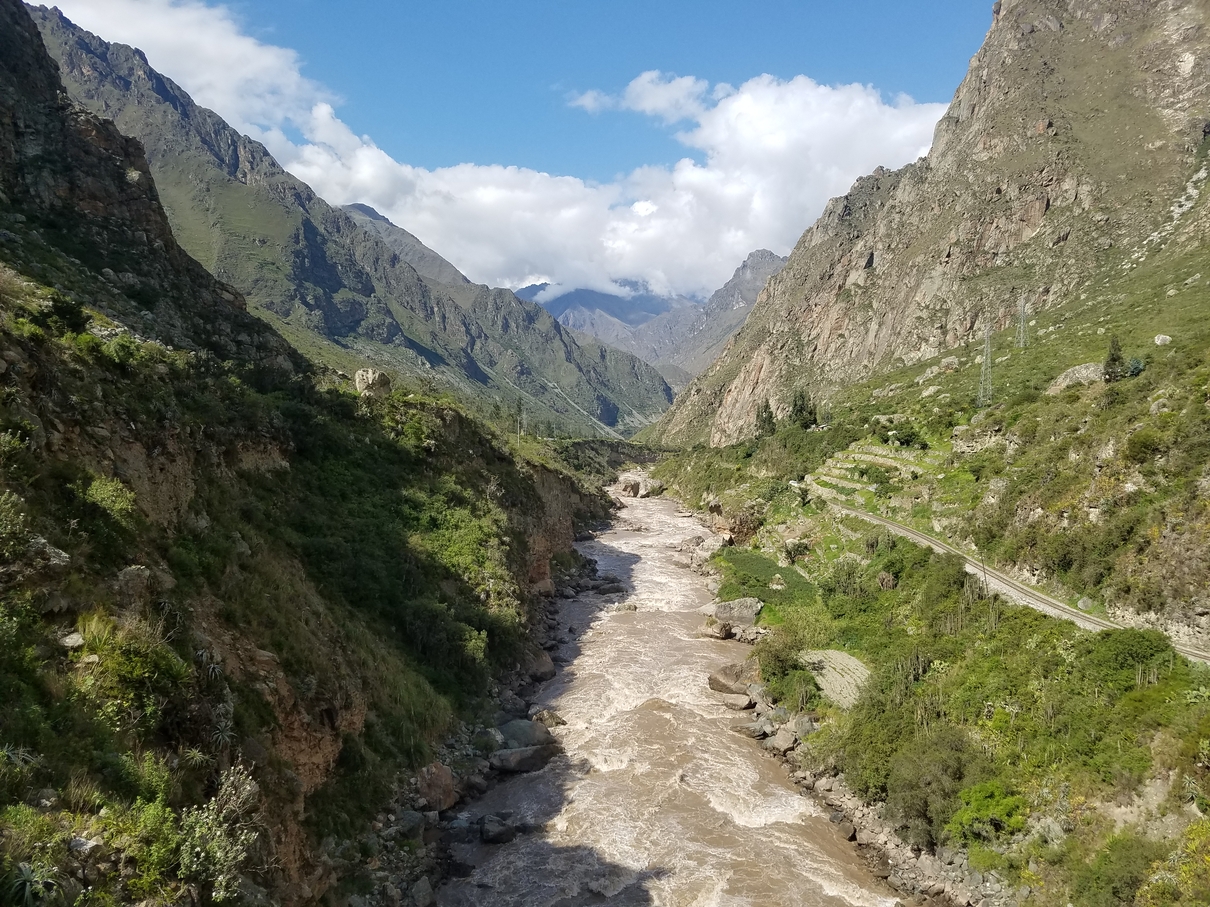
(656,802)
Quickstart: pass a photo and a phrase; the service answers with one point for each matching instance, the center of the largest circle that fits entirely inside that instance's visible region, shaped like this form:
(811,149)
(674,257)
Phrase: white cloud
(773,151)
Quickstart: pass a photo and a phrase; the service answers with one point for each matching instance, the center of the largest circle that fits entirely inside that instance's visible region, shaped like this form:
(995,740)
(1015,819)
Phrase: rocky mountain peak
(1073,134)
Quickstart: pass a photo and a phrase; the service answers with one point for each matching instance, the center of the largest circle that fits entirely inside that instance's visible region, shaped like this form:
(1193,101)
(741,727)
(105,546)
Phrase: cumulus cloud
(771,152)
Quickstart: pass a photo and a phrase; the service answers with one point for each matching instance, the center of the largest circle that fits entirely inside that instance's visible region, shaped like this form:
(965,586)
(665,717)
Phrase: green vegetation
(255,555)
(983,724)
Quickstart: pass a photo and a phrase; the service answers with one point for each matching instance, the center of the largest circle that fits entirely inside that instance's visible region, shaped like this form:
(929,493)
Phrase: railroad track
(1015,590)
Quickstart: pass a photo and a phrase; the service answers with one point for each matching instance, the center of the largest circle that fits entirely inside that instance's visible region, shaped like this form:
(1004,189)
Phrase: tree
(802,410)
(1115,363)
(766,424)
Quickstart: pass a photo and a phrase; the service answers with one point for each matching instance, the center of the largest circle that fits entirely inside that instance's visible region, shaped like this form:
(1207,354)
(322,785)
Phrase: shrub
(766,424)
(925,781)
(114,498)
(1184,878)
(1116,367)
(219,838)
(1144,445)
(64,316)
(1117,873)
(13,525)
(988,812)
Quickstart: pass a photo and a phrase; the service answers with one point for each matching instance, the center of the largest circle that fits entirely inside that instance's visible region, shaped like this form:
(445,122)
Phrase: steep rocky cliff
(341,292)
(1076,131)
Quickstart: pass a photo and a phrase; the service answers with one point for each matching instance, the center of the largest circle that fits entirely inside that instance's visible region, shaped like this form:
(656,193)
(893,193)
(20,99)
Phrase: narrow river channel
(656,802)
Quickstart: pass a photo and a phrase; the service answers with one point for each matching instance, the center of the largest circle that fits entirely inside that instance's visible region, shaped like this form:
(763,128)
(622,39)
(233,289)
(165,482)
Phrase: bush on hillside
(926,781)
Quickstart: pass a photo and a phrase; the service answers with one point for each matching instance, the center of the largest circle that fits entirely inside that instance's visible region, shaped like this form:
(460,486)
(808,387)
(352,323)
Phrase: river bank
(654,801)
(655,798)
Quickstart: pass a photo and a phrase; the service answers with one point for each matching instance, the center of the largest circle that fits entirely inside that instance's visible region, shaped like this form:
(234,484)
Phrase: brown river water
(656,802)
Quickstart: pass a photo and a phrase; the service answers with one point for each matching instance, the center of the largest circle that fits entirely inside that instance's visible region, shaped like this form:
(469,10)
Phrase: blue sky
(571,143)
(446,83)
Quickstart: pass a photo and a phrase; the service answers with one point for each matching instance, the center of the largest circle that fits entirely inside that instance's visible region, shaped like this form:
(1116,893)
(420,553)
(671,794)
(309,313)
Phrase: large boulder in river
(521,733)
(740,613)
(494,830)
(707,549)
(783,741)
(651,488)
(735,678)
(523,759)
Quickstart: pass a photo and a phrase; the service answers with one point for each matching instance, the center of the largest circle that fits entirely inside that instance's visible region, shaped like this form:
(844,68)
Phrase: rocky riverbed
(654,800)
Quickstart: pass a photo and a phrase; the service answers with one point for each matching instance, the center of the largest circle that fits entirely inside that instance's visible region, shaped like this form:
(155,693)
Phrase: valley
(878,577)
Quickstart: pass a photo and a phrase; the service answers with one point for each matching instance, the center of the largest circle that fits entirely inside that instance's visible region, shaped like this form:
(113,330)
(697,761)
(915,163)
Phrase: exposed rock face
(87,189)
(372,383)
(1043,173)
(1088,373)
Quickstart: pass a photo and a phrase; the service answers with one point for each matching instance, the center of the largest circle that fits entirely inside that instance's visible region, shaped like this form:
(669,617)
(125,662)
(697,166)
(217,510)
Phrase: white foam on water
(670,799)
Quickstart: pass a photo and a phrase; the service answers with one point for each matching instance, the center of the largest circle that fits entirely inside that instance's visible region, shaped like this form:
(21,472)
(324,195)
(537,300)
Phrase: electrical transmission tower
(1021,335)
(985,377)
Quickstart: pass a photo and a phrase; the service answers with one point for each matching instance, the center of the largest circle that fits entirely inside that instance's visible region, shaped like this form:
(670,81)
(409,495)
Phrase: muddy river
(656,802)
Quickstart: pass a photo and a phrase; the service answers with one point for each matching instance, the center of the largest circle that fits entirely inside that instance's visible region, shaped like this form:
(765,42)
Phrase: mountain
(677,335)
(75,184)
(426,262)
(692,340)
(1076,135)
(583,305)
(340,292)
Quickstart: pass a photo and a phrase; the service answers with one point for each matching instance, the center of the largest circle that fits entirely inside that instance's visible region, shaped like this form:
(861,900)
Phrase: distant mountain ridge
(341,292)
(676,334)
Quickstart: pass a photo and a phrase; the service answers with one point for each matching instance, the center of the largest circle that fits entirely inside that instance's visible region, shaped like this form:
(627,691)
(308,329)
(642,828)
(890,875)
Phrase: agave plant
(32,884)
(17,755)
(195,758)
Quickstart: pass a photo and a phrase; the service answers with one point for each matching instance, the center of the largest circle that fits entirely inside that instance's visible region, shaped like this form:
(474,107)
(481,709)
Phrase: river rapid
(656,802)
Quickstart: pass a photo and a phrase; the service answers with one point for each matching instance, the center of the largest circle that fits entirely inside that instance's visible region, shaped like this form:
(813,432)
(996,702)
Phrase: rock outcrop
(70,180)
(1043,177)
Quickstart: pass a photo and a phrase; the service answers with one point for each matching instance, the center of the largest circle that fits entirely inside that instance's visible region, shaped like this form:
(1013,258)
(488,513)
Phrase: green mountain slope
(237,604)
(426,262)
(1072,137)
(338,291)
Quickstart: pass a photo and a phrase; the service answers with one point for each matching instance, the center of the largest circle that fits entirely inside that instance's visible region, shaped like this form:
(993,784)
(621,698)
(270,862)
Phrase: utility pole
(1021,336)
(985,377)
